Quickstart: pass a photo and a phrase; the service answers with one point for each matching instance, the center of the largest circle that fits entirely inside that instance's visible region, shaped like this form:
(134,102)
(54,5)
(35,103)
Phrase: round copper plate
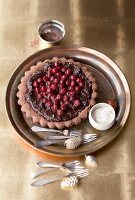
(111,84)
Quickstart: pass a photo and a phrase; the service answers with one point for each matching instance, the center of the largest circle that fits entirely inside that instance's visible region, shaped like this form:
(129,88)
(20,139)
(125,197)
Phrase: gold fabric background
(107,26)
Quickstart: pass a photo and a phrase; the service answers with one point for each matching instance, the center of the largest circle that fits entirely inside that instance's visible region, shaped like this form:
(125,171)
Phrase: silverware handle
(44,164)
(38,173)
(43,143)
(38,129)
(46,181)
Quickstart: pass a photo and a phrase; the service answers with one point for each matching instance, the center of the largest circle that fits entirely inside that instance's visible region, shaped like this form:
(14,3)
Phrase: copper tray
(111,84)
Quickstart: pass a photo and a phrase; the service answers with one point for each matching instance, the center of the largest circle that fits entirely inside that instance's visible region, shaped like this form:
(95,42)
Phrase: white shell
(91,161)
(73,143)
(69,182)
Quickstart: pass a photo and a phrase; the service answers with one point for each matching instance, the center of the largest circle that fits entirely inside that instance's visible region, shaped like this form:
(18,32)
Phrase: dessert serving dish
(111,82)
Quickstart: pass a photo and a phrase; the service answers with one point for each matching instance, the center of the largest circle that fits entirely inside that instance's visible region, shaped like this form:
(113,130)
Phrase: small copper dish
(51,31)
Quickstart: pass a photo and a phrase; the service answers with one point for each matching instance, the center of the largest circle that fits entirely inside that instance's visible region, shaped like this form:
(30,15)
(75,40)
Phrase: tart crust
(37,118)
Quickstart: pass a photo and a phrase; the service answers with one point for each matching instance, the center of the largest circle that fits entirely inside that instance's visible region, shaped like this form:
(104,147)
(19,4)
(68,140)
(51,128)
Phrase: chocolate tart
(57,93)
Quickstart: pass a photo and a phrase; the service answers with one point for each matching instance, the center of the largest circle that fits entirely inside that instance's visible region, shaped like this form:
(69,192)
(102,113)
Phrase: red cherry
(81,84)
(50,72)
(63,91)
(54,86)
(55,70)
(45,78)
(67,102)
(53,97)
(54,107)
(48,103)
(68,72)
(49,90)
(77,88)
(59,96)
(48,83)
(62,81)
(77,103)
(44,101)
(63,107)
(68,82)
(56,80)
(63,69)
(64,77)
(37,90)
(59,74)
(52,78)
(71,93)
(73,77)
(39,96)
(40,80)
(35,84)
(43,89)
(55,64)
(72,98)
(65,98)
(56,101)
(60,112)
(79,80)
(71,88)
(73,83)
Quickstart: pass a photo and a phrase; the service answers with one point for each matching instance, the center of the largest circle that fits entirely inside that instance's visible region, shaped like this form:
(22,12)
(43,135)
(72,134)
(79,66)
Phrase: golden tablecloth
(107,26)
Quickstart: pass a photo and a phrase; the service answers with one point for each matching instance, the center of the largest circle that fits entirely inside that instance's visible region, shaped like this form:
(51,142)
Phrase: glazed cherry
(73,83)
(54,86)
(45,78)
(63,69)
(56,101)
(48,104)
(59,96)
(52,78)
(40,80)
(71,93)
(55,70)
(79,80)
(77,89)
(59,74)
(60,112)
(37,90)
(68,82)
(43,89)
(68,72)
(48,83)
(53,97)
(77,103)
(63,91)
(67,102)
(73,77)
(35,84)
(49,90)
(56,80)
(54,108)
(65,98)
(63,107)
(71,88)
(72,98)
(39,96)
(81,84)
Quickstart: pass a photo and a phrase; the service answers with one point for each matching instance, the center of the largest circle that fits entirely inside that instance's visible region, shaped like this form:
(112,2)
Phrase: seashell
(73,143)
(91,161)
(69,182)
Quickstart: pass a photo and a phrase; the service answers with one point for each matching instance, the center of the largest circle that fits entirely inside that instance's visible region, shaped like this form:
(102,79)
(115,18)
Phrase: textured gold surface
(109,27)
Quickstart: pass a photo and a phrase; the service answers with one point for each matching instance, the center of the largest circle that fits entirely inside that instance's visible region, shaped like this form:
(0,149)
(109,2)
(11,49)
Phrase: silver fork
(85,139)
(70,166)
(79,173)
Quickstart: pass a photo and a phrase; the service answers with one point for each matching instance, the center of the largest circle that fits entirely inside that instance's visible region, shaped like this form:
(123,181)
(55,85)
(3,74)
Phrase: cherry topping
(67,102)
(59,96)
(63,69)
(54,86)
(52,78)
(39,96)
(77,88)
(72,98)
(63,107)
(68,82)
(48,103)
(68,72)
(56,101)
(35,84)
(73,77)
(49,90)
(56,80)
(40,80)
(79,80)
(59,74)
(81,84)
(55,70)
(63,91)
(54,107)
(77,103)
(45,78)
(48,83)
(60,112)
(73,83)
(43,89)
(37,90)
(65,98)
